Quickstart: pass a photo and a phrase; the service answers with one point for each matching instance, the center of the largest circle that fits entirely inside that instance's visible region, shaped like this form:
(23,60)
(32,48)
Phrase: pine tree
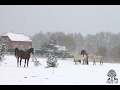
(52,61)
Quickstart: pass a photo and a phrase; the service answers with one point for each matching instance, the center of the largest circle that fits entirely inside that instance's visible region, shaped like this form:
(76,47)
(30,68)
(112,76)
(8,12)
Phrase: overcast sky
(84,19)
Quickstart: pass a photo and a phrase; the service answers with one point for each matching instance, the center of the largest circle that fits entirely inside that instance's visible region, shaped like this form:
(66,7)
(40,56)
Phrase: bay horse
(78,57)
(96,58)
(83,52)
(23,55)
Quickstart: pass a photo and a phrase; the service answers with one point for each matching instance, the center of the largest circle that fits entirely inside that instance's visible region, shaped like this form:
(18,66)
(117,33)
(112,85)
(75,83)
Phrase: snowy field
(67,73)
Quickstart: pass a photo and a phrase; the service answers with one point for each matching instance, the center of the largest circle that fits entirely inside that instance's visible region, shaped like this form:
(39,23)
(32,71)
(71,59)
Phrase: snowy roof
(17,37)
(61,48)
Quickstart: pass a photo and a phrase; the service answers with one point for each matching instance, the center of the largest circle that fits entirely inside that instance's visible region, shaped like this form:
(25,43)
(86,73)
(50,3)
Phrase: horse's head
(16,49)
(83,52)
(71,53)
(31,50)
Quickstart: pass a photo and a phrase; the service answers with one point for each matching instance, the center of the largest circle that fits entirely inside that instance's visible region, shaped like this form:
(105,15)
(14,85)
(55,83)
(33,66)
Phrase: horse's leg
(87,61)
(25,63)
(74,59)
(75,62)
(79,61)
(100,62)
(83,62)
(20,61)
(94,62)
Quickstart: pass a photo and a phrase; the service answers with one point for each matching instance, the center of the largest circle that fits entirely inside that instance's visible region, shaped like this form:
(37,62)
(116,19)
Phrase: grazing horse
(96,58)
(83,52)
(78,57)
(23,55)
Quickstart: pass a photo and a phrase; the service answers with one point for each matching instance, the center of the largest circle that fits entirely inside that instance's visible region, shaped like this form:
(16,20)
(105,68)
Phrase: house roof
(17,37)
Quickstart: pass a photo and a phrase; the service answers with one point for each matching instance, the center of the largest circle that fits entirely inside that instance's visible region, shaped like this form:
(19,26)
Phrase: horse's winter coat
(96,58)
(83,52)
(23,55)
(78,57)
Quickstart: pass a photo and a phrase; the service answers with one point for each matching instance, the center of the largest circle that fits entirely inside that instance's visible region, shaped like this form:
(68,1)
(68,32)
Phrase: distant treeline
(106,44)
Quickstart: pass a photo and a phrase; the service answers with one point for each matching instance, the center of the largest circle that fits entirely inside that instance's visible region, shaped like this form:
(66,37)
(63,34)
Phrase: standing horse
(83,52)
(96,58)
(78,57)
(23,55)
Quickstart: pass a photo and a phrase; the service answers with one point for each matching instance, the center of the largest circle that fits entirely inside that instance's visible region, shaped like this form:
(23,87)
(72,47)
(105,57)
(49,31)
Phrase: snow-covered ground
(67,73)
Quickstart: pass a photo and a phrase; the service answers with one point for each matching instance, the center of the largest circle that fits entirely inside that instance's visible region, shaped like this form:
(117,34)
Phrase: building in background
(13,40)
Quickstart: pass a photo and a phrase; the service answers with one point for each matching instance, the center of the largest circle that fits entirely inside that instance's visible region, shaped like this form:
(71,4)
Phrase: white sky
(84,19)
(67,73)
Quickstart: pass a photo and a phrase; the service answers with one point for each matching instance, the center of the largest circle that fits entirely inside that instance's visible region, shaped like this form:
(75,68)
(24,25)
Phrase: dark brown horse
(83,52)
(23,55)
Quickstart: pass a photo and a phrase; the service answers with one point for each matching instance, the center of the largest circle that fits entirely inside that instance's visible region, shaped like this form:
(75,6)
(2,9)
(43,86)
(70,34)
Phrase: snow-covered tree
(2,49)
(51,61)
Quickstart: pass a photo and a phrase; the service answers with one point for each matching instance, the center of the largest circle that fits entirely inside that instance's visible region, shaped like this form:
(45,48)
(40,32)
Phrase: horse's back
(21,52)
(79,57)
(99,57)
